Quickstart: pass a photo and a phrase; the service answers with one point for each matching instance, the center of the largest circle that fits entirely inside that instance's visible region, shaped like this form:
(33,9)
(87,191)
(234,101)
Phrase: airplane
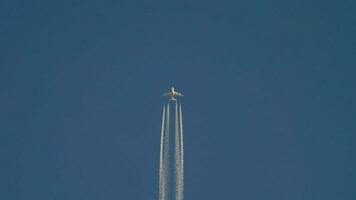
(173,94)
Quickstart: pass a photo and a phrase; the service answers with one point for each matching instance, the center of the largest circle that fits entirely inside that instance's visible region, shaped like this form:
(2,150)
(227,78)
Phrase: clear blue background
(269,108)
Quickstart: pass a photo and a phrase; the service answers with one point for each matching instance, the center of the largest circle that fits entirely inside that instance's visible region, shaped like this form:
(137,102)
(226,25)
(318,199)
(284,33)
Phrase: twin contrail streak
(166,154)
(181,157)
(177,154)
(162,189)
(171,177)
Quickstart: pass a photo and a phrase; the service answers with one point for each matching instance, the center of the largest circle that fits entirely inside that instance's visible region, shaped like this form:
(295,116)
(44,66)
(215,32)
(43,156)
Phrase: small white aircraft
(173,94)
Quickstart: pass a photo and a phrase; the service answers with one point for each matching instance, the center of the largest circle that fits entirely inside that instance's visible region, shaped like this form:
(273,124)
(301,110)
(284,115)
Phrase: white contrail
(171,178)
(162,186)
(181,167)
(166,153)
(177,154)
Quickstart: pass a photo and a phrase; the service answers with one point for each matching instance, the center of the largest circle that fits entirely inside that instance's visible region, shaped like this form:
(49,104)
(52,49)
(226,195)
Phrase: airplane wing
(167,94)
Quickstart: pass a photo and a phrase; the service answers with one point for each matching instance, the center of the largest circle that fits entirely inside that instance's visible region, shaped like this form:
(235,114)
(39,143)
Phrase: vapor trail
(171,178)
(181,156)
(166,152)
(177,155)
(162,186)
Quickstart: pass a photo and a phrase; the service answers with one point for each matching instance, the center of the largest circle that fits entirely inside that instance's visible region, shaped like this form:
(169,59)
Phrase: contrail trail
(166,152)
(181,156)
(177,155)
(171,176)
(162,186)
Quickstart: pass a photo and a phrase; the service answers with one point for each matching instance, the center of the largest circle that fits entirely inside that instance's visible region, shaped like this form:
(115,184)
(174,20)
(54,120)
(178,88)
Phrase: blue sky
(269,105)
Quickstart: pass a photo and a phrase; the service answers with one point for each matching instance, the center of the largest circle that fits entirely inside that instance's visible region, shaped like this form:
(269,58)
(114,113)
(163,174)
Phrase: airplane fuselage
(173,94)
